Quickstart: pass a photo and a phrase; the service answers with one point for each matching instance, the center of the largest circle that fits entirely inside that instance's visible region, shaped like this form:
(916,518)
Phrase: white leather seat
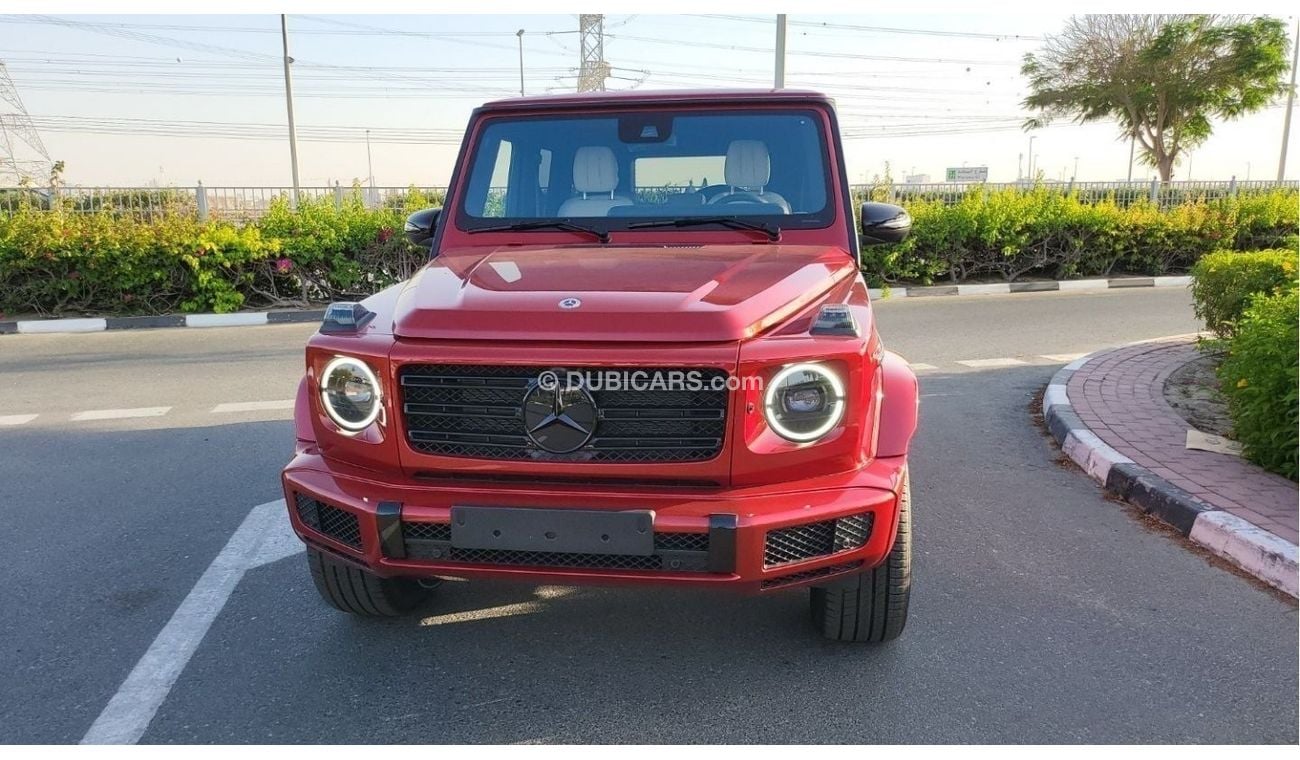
(595,177)
(748,168)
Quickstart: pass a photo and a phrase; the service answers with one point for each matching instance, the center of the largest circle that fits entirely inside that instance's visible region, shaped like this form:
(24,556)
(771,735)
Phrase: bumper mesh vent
(820,572)
(334,522)
(819,539)
(555,559)
(426,531)
(682,542)
(674,552)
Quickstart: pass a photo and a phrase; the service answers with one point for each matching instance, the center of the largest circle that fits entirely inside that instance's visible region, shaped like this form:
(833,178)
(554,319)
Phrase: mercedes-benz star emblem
(570,303)
(561,419)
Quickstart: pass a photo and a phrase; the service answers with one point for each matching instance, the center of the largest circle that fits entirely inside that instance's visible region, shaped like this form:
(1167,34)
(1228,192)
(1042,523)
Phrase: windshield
(629,168)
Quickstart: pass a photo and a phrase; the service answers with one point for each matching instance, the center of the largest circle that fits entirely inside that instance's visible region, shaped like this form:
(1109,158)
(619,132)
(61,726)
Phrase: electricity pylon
(16,131)
(592,68)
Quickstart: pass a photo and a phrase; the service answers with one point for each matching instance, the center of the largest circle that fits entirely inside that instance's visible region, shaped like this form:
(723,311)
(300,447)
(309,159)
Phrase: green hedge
(1224,282)
(65,261)
(1008,234)
(1260,377)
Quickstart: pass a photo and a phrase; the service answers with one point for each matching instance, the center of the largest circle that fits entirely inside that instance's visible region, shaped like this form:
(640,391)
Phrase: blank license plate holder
(574,531)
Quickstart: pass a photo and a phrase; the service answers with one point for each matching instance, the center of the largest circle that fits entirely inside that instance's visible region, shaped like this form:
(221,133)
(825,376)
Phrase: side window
(495,203)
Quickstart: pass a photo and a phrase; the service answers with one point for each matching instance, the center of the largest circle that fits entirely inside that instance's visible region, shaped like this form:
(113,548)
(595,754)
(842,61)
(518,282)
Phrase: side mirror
(885,223)
(420,226)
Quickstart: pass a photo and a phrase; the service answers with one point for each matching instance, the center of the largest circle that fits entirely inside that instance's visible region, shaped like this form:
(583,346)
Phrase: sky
(174,100)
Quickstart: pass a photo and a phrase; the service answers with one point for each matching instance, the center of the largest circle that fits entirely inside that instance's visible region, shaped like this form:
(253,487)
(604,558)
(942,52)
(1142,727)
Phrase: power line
(141,37)
(359,30)
(878,29)
(243,130)
(810,53)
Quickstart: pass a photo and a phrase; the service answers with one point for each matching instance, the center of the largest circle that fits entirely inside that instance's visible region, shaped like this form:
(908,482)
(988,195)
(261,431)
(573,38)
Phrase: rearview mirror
(884,223)
(420,226)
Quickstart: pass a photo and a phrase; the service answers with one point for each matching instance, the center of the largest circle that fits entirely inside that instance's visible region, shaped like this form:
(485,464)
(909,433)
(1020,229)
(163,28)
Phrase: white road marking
(990,363)
(922,366)
(121,414)
(258,539)
(252,406)
(1061,357)
(16,419)
(279,542)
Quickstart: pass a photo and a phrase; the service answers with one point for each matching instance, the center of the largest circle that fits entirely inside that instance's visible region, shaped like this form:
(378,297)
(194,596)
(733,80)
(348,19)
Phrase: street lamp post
(779,79)
(1290,103)
(371,193)
(288,99)
(1030,173)
(520,35)
(370,167)
(1076,168)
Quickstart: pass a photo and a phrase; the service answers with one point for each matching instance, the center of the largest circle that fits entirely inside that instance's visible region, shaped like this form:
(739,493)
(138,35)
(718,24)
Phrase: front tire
(871,607)
(358,592)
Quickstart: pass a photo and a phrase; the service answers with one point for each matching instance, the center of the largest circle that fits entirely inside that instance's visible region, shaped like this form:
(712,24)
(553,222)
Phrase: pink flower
(283,265)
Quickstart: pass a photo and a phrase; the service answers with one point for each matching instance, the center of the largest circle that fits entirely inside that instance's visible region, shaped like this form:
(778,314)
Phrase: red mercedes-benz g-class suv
(641,352)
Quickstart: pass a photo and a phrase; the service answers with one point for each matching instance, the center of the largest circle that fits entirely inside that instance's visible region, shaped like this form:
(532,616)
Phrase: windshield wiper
(773,233)
(546,225)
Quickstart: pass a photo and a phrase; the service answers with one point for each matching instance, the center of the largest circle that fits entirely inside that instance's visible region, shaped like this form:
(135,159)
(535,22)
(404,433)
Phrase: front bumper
(750,539)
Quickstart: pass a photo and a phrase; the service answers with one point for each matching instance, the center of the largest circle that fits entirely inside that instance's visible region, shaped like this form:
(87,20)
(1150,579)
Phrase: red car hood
(624,293)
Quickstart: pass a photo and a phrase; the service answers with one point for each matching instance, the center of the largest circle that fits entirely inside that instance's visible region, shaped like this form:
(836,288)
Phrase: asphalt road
(1041,611)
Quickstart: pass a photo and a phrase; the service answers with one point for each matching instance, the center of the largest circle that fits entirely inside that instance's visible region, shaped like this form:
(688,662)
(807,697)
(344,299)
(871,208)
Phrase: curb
(238,319)
(1268,557)
(1048,286)
(247,318)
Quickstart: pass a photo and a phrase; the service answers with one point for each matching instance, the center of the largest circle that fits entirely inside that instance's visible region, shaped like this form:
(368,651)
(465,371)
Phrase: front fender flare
(302,413)
(899,401)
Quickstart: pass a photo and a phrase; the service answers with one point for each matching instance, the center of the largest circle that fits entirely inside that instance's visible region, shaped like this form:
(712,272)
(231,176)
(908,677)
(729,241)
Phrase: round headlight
(349,391)
(804,402)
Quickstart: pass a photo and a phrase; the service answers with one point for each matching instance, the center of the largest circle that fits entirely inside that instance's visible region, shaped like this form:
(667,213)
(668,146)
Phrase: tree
(56,174)
(1161,77)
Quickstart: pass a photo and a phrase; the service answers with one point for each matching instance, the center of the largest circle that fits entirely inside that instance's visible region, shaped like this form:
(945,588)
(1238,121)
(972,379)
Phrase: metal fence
(234,203)
(246,203)
(1163,194)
